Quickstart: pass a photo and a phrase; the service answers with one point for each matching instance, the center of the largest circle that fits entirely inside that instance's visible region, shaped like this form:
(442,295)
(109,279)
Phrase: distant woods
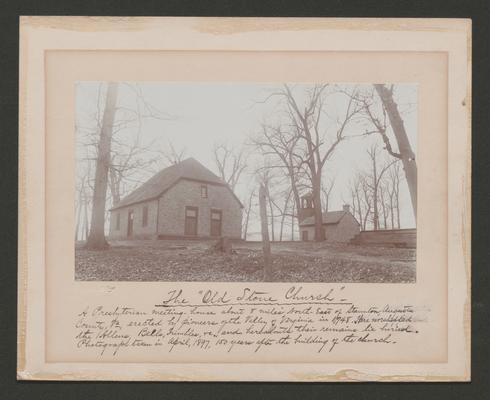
(374,193)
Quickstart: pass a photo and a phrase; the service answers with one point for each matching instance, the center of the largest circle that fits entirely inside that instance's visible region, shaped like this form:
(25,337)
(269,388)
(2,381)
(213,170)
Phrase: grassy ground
(292,262)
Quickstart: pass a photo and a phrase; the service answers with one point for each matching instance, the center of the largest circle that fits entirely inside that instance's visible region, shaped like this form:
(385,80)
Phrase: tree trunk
(245,230)
(398,211)
(383,207)
(272,218)
(294,189)
(283,216)
(292,225)
(96,238)
(317,208)
(78,217)
(85,215)
(404,148)
(326,203)
(375,195)
(266,246)
(392,212)
(359,208)
(115,186)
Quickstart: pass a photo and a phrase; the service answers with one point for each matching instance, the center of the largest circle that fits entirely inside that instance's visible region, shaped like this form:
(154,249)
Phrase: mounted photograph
(246,182)
(244,199)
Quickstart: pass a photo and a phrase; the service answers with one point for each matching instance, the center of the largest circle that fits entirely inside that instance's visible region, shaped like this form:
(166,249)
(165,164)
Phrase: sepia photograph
(238,182)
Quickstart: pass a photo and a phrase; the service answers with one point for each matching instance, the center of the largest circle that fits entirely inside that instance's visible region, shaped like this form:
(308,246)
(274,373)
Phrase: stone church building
(340,226)
(185,200)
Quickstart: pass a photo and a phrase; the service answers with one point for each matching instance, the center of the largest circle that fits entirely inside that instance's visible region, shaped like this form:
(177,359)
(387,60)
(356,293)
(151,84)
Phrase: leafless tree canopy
(230,163)
(291,152)
(307,138)
(374,193)
(381,111)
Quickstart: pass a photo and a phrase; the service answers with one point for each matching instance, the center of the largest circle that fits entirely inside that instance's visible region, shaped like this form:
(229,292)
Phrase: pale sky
(205,113)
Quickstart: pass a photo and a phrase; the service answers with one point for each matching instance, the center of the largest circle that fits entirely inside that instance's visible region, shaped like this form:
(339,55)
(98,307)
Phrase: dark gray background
(9,13)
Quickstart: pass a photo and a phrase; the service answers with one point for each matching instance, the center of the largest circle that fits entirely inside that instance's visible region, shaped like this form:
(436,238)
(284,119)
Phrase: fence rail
(388,237)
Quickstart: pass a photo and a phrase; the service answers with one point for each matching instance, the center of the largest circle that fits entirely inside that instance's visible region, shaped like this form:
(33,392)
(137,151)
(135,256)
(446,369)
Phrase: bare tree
(387,117)
(173,156)
(367,198)
(370,190)
(120,164)
(279,208)
(248,213)
(78,213)
(355,198)
(374,181)
(281,147)
(266,246)
(96,238)
(284,213)
(128,163)
(327,188)
(81,208)
(405,152)
(292,225)
(383,201)
(306,119)
(394,176)
(86,223)
(230,163)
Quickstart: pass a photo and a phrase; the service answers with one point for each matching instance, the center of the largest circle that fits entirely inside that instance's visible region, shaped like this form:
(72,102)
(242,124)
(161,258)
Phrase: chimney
(346,208)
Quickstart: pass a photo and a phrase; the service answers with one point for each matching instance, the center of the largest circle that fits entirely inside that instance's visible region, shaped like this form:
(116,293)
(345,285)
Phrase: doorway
(190,226)
(130,222)
(216,222)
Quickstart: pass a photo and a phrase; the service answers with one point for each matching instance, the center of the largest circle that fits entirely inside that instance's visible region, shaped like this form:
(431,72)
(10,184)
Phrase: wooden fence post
(266,246)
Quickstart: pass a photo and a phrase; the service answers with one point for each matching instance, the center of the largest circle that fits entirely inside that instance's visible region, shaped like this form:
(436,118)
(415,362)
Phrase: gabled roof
(190,169)
(331,217)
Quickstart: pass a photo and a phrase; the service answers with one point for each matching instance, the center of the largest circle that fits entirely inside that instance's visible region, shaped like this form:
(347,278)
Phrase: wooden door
(304,236)
(216,222)
(190,226)
(130,222)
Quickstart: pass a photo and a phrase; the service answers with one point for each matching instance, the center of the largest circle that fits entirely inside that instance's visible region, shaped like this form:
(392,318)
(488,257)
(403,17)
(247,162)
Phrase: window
(204,191)
(145,216)
(191,212)
(118,221)
(216,215)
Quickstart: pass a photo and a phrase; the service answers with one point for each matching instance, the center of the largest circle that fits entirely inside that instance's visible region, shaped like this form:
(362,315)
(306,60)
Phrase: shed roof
(153,188)
(331,217)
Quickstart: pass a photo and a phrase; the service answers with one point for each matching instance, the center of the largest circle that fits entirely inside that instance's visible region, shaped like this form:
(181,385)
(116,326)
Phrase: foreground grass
(292,262)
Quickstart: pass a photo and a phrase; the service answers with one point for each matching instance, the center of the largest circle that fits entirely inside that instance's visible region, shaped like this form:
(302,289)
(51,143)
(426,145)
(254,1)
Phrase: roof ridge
(155,186)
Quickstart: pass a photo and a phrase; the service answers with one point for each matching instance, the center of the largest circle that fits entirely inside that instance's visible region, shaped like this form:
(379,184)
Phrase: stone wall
(344,231)
(347,229)
(139,231)
(188,193)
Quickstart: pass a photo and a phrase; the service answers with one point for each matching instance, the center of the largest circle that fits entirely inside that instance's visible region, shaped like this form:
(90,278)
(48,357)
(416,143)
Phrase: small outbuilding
(185,200)
(340,226)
